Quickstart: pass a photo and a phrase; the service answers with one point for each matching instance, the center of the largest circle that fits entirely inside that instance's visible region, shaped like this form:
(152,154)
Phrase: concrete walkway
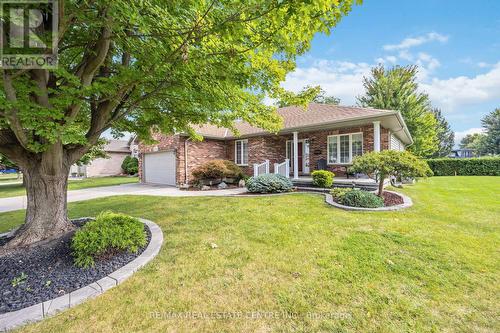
(16,203)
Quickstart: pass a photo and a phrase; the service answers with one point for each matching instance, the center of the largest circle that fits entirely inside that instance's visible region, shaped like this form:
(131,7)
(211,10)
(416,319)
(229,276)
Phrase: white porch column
(295,155)
(376,136)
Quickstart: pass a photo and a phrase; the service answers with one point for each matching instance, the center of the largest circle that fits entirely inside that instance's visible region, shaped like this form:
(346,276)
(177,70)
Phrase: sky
(456,45)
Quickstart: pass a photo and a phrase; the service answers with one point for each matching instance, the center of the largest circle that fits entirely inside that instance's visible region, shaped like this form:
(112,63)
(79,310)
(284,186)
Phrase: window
(343,148)
(241,152)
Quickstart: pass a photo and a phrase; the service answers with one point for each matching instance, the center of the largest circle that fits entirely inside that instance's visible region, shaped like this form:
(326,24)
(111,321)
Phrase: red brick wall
(271,147)
(199,152)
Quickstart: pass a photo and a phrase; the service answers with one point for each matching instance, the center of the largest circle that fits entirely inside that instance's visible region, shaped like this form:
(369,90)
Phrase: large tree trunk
(46,211)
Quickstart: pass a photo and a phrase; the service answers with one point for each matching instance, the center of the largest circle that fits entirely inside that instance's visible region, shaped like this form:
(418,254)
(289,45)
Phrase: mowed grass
(13,190)
(293,264)
(8,177)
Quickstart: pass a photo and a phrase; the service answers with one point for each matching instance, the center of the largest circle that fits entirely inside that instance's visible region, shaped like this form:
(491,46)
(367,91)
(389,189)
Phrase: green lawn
(432,268)
(8,177)
(13,190)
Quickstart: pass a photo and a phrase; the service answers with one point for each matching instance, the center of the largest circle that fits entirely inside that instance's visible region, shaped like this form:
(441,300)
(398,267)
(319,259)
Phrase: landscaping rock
(205,188)
(241,183)
(222,186)
(52,262)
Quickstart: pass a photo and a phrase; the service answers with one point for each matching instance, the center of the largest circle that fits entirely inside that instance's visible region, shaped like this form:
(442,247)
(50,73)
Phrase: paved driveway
(15,203)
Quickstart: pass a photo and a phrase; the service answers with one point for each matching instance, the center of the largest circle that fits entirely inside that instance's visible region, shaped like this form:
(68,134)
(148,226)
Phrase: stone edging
(11,320)
(407,202)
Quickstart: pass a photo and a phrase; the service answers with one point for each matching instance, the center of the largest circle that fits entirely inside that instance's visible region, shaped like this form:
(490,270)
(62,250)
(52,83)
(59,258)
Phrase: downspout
(186,181)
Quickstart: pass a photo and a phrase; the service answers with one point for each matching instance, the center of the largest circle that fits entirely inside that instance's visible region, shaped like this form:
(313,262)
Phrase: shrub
(482,166)
(359,198)
(217,169)
(269,183)
(108,232)
(387,163)
(322,178)
(338,193)
(130,165)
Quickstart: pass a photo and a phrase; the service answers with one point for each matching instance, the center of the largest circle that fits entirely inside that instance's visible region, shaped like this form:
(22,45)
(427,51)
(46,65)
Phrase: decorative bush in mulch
(45,272)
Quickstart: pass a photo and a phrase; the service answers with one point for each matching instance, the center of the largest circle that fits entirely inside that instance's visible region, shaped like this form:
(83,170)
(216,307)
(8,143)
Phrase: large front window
(344,147)
(241,152)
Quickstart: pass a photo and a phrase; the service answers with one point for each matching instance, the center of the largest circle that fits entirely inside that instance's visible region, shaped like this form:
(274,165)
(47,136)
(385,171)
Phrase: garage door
(159,168)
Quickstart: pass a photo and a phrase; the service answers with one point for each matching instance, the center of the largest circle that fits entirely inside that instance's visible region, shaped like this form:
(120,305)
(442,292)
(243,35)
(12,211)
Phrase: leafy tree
(446,137)
(315,94)
(473,141)
(390,163)
(397,89)
(491,141)
(323,98)
(135,65)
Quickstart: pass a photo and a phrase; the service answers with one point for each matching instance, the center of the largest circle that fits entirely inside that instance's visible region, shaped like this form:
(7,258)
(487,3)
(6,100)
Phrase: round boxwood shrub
(322,178)
(108,232)
(359,198)
(269,183)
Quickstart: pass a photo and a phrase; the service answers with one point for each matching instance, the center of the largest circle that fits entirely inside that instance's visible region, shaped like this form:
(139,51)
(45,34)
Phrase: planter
(93,287)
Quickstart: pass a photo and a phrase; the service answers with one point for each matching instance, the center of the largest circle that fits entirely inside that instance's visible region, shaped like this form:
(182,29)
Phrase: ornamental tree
(136,65)
(390,163)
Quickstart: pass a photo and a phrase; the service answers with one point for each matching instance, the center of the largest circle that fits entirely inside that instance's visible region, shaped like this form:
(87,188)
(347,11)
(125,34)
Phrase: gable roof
(117,146)
(315,117)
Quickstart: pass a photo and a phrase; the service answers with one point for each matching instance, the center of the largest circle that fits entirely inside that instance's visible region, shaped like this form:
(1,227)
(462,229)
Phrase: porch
(363,183)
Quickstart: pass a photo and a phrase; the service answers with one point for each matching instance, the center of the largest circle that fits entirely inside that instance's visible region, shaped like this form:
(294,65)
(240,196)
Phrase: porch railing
(260,169)
(282,168)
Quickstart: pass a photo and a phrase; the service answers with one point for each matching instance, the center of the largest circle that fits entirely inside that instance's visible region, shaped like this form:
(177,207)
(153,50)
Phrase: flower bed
(48,271)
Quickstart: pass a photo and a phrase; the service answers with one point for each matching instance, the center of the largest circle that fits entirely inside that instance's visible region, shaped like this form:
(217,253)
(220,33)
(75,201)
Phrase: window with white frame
(344,147)
(241,152)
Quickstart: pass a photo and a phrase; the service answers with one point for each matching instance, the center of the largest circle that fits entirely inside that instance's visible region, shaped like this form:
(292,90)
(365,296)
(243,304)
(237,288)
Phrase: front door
(300,156)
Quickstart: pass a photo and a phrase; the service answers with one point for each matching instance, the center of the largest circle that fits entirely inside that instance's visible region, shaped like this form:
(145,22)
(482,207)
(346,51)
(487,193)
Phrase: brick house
(323,137)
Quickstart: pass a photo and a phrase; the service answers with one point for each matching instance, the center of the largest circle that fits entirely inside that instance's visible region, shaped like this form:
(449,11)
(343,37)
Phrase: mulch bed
(49,272)
(392,199)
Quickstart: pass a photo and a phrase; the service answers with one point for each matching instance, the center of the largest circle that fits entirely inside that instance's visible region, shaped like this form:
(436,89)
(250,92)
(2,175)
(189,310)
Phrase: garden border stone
(407,202)
(14,319)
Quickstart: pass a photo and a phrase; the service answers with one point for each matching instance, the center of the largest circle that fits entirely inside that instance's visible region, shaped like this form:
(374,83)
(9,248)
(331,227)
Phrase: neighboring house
(462,153)
(116,151)
(323,137)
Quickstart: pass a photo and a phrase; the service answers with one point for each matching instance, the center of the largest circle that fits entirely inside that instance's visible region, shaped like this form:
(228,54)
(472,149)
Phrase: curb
(37,312)
(407,202)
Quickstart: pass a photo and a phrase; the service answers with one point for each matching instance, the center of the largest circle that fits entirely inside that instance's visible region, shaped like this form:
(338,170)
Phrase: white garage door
(159,168)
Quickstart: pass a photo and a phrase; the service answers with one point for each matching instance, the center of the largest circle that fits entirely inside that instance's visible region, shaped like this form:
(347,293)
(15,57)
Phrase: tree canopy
(445,136)
(390,163)
(140,65)
(396,89)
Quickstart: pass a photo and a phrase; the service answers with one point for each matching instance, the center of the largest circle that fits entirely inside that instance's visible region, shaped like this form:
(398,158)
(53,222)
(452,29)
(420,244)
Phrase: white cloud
(451,93)
(410,42)
(461,134)
(340,79)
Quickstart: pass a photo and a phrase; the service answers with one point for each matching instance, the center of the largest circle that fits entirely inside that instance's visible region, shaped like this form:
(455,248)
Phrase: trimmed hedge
(108,232)
(322,178)
(269,183)
(359,198)
(481,166)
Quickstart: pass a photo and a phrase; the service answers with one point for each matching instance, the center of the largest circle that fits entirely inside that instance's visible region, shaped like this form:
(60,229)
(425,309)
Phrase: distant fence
(482,166)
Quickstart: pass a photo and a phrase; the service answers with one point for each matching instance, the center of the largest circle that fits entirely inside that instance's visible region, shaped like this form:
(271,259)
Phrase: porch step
(345,183)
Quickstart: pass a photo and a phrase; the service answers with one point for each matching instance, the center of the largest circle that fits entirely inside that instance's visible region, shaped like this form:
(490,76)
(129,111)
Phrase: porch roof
(317,116)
